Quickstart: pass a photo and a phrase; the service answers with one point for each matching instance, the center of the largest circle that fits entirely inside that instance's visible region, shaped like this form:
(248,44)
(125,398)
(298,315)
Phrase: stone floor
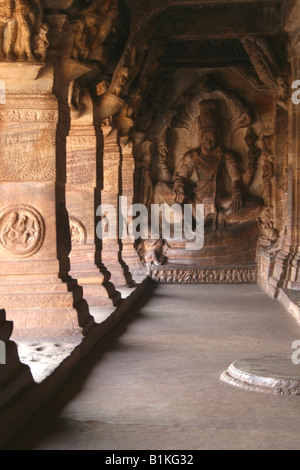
(154,383)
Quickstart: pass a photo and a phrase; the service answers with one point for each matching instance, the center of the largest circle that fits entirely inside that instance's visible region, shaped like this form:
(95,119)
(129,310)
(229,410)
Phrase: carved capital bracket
(265,61)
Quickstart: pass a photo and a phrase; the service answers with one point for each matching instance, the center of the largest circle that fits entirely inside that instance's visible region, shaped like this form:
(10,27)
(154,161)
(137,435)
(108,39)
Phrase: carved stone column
(129,254)
(31,291)
(80,200)
(15,377)
(111,248)
(286,272)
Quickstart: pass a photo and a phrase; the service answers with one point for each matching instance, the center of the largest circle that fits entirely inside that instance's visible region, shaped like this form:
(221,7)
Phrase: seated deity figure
(198,178)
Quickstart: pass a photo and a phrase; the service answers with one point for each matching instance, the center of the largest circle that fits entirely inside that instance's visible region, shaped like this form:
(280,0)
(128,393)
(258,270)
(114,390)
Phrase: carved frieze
(22,231)
(80,169)
(81,157)
(33,301)
(205,276)
(27,155)
(111,168)
(29,115)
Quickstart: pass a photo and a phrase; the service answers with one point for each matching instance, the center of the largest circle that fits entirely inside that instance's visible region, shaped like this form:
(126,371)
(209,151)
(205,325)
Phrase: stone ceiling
(207,33)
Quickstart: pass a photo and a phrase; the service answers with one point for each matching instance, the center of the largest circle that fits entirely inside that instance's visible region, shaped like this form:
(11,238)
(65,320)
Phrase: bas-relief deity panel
(213,150)
(22,231)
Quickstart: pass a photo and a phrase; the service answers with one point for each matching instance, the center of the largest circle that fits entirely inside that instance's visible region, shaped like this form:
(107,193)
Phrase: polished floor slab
(154,383)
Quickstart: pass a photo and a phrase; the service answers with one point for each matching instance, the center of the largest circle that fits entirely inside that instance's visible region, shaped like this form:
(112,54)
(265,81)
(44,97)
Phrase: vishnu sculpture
(198,178)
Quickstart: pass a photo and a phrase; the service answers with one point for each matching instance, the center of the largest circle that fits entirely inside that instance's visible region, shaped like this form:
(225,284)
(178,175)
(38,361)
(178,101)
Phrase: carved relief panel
(22,231)
(23,34)
(77,231)
(204,145)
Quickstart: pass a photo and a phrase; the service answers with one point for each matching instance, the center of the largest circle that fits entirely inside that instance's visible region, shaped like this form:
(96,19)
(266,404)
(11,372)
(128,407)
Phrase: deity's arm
(236,178)
(233,169)
(183,173)
(164,172)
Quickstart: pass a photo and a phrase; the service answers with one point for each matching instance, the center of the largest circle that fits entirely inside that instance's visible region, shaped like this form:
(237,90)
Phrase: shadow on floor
(46,422)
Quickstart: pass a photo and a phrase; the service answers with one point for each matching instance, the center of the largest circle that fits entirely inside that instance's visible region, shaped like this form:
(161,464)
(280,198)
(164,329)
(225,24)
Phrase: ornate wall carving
(205,276)
(22,231)
(190,157)
(79,172)
(27,156)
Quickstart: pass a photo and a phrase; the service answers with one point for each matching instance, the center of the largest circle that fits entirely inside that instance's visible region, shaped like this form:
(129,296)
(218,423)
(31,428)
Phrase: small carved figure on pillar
(145,166)
(19,232)
(25,17)
(22,33)
(268,170)
(151,252)
(269,234)
(8,27)
(164,172)
(80,49)
(41,42)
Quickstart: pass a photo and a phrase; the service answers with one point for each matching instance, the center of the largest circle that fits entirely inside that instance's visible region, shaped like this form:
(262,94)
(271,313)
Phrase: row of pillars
(54,173)
(285,269)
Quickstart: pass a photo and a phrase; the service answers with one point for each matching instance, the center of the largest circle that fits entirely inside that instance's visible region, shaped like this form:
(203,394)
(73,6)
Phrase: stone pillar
(286,273)
(129,254)
(15,377)
(81,190)
(31,290)
(111,248)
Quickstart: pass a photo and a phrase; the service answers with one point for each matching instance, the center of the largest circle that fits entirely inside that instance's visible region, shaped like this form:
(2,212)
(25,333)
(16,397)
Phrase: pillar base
(45,309)
(95,293)
(274,374)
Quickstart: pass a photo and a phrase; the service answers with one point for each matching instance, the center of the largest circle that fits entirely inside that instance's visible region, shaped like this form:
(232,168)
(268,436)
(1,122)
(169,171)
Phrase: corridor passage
(154,382)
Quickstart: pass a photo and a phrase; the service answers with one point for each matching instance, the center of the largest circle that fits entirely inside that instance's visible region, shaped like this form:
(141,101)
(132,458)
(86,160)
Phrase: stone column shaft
(286,273)
(80,201)
(31,290)
(129,254)
(111,248)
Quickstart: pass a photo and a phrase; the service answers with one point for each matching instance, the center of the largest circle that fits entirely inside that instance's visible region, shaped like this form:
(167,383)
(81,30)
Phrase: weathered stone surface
(267,374)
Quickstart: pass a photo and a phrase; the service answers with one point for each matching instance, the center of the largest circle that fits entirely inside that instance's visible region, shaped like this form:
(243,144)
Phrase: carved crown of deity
(210,116)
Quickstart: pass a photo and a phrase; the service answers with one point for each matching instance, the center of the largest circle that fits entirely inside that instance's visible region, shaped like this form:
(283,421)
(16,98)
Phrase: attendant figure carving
(19,233)
(8,26)
(22,33)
